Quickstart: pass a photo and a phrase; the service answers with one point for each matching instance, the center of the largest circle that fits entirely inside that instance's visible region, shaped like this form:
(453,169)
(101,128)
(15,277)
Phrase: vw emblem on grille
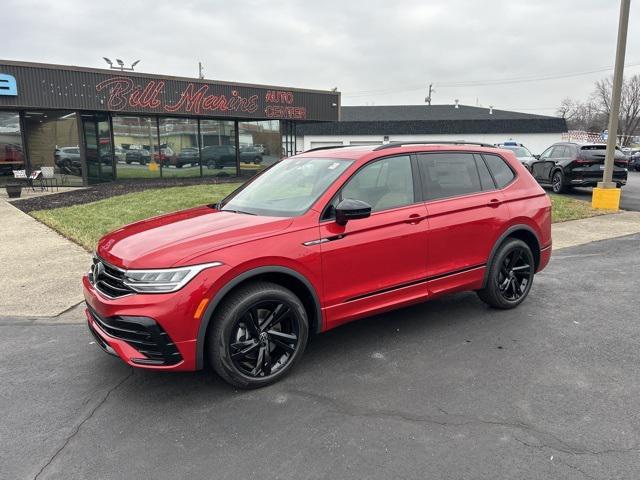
(97,269)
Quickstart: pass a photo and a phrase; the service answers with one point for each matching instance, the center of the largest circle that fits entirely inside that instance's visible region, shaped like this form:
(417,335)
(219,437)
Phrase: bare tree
(629,120)
(582,115)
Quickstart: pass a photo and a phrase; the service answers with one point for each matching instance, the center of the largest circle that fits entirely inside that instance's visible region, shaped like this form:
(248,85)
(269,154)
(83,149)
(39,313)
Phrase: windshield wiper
(239,211)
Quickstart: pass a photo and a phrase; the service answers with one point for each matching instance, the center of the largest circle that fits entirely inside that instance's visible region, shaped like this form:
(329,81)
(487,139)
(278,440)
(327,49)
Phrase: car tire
(510,275)
(179,165)
(244,354)
(557,182)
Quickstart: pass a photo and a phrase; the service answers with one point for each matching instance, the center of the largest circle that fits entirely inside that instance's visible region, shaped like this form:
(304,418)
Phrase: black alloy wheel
(557,182)
(260,332)
(515,274)
(264,339)
(510,275)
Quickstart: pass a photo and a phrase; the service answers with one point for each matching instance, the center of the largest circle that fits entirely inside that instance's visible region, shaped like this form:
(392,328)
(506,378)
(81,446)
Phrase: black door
(98,148)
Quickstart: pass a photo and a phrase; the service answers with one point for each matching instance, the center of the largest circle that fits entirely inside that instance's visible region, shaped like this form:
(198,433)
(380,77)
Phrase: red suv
(316,241)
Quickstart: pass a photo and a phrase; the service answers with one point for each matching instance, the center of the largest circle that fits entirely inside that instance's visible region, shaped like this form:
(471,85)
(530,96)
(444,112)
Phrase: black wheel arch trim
(215,301)
(501,239)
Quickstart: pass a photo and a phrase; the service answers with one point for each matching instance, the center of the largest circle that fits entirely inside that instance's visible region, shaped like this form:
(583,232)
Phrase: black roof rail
(400,144)
(328,147)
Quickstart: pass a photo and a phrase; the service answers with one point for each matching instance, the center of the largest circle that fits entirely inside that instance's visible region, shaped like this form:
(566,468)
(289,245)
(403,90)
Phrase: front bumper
(139,341)
(170,319)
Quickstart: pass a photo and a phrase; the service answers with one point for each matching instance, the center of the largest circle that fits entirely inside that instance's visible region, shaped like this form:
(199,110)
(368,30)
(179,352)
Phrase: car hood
(170,240)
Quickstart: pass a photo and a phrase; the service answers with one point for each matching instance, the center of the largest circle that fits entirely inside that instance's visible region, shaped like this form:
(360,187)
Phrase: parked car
(634,161)
(67,159)
(521,152)
(219,156)
(139,155)
(263,149)
(120,153)
(566,164)
(250,154)
(188,155)
(316,241)
(165,156)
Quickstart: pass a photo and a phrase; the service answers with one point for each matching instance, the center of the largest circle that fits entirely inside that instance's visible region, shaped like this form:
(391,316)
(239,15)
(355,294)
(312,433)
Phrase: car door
(466,214)
(379,261)
(540,168)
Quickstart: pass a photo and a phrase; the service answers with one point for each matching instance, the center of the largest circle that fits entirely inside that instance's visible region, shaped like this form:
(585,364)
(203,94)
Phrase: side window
(546,153)
(486,182)
(448,174)
(558,152)
(383,184)
(501,172)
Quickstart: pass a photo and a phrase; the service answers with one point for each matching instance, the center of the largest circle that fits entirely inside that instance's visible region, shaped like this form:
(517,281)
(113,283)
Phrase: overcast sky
(375,52)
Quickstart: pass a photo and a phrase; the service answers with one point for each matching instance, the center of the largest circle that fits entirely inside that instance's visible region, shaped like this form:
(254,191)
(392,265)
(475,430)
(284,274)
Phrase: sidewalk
(40,270)
(603,227)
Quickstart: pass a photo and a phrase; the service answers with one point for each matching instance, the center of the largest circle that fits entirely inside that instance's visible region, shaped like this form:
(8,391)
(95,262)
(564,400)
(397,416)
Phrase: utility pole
(431,90)
(606,195)
(200,73)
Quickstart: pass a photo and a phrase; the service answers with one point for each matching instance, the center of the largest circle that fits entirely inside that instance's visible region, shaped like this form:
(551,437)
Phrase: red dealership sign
(124,94)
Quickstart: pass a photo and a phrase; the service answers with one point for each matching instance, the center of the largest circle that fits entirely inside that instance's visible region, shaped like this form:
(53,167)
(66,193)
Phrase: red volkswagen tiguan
(316,241)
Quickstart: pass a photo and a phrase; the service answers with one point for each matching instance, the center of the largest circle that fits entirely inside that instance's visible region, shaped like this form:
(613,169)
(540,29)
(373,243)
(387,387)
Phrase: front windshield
(519,151)
(288,188)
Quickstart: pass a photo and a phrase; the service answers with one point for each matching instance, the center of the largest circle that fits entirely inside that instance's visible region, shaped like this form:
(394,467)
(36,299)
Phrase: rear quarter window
(502,173)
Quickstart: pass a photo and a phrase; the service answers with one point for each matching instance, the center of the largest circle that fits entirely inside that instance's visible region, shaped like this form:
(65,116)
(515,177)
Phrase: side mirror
(350,209)
(537,157)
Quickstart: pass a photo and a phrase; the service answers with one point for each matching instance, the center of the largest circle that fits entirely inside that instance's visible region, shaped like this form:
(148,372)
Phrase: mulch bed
(112,189)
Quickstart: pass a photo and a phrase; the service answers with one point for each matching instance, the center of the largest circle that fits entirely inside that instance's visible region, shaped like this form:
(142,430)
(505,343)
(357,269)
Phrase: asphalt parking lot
(630,198)
(444,390)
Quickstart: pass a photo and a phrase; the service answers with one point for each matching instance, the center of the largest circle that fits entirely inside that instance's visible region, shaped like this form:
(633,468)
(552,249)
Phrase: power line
(478,83)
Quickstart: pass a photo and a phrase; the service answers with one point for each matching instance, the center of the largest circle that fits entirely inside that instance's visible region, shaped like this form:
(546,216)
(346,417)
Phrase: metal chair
(48,176)
(35,176)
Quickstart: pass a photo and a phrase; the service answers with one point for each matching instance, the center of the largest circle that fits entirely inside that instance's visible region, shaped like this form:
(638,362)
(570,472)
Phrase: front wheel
(510,275)
(557,182)
(260,332)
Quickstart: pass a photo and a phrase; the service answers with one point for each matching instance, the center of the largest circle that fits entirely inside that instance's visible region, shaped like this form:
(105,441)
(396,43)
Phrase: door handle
(414,219)
(494,202)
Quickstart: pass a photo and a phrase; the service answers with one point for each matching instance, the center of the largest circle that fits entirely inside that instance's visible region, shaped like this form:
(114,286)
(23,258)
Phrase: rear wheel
(260,332)
(510,275)
(557,182)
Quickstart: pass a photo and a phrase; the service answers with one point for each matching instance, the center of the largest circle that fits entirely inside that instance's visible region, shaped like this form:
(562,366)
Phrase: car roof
(367,152)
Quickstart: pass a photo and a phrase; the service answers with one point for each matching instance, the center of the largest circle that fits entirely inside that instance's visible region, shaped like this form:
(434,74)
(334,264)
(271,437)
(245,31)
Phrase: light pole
(606,195)
(120,66)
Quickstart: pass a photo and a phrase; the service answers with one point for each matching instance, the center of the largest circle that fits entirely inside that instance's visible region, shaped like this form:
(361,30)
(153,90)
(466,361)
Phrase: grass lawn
(85,224)
(566,208)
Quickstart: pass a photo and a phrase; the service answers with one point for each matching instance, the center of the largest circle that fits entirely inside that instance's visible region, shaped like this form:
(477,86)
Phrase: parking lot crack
(446,419)
(76,430)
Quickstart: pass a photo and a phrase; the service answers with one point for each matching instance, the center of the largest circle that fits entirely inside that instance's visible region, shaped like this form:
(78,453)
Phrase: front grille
(142,333)
(109,280)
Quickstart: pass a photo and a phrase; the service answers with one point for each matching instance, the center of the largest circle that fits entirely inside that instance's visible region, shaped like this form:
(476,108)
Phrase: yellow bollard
(606,198)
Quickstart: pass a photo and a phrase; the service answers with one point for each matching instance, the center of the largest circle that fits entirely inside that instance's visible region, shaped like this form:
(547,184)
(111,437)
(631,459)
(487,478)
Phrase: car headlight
(163,280)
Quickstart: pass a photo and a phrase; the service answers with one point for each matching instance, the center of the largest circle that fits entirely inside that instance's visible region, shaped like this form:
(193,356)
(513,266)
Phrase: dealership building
(95,125)
(374,125)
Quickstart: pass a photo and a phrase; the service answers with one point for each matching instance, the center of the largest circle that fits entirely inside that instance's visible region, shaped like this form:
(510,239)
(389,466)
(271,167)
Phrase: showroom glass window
(260,145)
(11,153)
(136,147)
(218,140)
(51,140)
(179,147)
